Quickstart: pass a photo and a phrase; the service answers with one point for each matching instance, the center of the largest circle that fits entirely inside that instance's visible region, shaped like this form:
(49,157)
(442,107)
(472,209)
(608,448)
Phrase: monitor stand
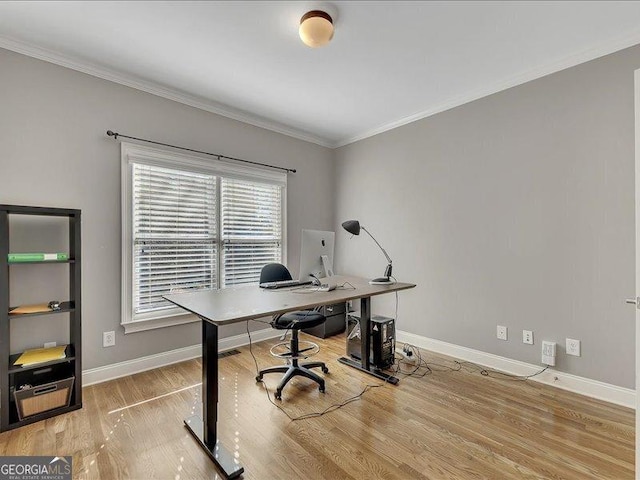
(328,268)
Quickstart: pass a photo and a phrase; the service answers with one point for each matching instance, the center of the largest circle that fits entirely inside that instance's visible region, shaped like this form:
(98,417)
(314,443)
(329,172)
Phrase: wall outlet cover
(573,347)
(501,332)
(549,353)
(108,339)
(527,337)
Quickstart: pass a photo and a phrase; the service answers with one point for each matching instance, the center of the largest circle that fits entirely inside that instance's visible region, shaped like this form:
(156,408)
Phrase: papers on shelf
(40,355)
(40,307)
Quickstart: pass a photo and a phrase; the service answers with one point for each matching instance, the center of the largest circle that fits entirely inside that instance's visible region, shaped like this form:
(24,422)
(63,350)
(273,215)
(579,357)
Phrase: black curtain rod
(115,136)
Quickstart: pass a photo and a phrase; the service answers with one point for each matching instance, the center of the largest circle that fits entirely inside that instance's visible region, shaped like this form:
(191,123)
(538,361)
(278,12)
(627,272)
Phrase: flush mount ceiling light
(316,28)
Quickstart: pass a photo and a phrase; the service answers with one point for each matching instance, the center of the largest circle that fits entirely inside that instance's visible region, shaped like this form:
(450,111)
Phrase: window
(174,234)
(190,224)
(251,229)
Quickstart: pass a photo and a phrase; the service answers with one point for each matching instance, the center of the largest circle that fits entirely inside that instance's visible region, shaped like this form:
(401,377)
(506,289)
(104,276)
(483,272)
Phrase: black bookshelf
(11,376)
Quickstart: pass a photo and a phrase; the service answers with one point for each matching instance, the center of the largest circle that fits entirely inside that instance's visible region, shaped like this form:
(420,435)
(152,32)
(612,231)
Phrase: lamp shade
(316,28)
(352,226)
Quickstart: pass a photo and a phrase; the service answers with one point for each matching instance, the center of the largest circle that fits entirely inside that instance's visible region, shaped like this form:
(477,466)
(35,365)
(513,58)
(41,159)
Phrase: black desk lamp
(353,227)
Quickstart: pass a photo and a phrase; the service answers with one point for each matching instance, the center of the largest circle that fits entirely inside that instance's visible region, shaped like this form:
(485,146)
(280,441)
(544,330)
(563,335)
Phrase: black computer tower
(383,343)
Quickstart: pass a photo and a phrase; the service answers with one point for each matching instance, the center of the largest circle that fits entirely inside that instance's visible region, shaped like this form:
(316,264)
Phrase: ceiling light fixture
(316,28)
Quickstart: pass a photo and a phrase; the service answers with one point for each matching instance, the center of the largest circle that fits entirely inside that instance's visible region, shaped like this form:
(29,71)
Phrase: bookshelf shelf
(69,357)
(40,262)
(64,307)
(13,377)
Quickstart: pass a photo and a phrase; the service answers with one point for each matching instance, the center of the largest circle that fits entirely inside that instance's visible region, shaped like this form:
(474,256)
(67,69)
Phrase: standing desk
(233,305)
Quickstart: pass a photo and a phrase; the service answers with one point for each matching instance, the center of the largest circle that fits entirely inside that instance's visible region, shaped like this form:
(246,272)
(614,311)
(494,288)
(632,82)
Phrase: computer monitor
(316,255)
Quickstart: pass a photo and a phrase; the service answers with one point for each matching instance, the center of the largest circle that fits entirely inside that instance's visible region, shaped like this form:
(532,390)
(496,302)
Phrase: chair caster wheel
(258,378)
(278,395)
(325,370)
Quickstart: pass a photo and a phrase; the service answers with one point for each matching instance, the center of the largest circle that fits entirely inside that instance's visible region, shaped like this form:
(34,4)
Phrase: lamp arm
(383,250)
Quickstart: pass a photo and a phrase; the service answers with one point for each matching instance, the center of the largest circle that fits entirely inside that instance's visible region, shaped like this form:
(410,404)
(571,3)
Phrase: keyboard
(283,284)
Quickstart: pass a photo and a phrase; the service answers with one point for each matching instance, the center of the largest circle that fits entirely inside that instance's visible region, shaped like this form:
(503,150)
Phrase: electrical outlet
(527,337)
(108,339)
(501,332)
(549,353)
(49,344)
(573,347)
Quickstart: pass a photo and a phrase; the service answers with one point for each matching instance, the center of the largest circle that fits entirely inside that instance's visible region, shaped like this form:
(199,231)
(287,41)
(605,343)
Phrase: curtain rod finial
(112,134)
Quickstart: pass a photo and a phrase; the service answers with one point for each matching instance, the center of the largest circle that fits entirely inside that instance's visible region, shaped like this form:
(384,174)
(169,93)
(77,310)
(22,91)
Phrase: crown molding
(255,120)
(159,90)
(567,62)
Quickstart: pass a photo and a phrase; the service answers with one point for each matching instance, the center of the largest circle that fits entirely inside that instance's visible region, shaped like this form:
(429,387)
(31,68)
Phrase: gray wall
(516,209)
(54,152)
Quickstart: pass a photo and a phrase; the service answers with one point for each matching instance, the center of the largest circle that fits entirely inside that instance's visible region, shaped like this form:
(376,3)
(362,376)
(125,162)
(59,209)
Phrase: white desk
(233,305)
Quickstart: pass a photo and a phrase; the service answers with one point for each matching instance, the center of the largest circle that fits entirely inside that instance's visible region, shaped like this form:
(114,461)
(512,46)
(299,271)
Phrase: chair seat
(299,320)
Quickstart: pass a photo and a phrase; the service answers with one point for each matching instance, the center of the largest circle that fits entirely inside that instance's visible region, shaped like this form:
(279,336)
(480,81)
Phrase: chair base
(294,370)
(309,350)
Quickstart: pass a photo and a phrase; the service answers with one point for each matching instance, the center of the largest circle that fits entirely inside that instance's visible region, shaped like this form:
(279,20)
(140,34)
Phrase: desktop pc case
(383,340)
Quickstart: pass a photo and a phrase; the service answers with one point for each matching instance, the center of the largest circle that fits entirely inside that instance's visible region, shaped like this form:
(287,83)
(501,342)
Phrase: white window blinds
(175,246)
(190,223)
(251,229)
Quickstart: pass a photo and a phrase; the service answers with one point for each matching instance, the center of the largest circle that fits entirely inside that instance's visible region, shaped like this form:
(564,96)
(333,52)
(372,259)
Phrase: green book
(37,257)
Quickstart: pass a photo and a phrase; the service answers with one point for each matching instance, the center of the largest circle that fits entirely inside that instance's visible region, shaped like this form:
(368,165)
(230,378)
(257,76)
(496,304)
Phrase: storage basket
(41,398)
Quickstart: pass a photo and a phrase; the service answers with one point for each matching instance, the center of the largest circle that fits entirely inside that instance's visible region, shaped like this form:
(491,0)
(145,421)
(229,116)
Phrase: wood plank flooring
(445,425)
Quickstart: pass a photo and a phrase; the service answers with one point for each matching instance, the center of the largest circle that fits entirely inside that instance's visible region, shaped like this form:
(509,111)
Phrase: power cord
(413,351)
(415,367)
(343,286)
(418,369)
(305,416)
(470,367)
(487,372)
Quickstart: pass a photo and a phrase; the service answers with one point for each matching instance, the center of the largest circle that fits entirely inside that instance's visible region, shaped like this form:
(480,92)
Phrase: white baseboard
(584,386)
(129,367)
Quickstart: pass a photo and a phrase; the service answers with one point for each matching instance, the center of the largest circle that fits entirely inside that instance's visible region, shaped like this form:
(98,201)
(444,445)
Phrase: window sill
(152,324)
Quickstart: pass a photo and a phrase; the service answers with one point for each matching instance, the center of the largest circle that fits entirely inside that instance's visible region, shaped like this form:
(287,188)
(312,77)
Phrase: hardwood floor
(445,425)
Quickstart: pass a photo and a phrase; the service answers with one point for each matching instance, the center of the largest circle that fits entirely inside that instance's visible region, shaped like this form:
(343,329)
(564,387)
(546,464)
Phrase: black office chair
(294,321)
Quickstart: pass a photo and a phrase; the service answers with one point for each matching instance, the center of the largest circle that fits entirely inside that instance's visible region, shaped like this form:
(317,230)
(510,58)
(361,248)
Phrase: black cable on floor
(487,372)
(469,367)
(305,416)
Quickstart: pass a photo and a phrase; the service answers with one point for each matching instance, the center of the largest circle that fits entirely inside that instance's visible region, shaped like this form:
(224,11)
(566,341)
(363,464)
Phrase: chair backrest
(274,272)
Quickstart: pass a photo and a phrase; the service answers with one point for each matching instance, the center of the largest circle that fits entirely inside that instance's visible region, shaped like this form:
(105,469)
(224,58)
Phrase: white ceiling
(389,63)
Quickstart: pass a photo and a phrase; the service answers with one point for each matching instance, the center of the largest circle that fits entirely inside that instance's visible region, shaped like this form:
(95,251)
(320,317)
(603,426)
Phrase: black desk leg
(365,346)
(205,432)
